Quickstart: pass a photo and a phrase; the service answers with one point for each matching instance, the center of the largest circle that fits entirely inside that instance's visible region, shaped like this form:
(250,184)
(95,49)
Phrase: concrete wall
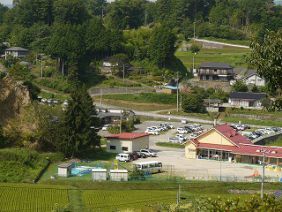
(213,137)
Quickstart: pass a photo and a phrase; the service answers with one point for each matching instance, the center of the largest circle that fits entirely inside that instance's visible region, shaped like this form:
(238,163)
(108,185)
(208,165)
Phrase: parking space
(208,169)
(165,135)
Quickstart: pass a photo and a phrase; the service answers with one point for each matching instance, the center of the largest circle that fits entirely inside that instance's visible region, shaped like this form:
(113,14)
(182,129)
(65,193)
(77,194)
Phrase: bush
(20,165)
(193,103)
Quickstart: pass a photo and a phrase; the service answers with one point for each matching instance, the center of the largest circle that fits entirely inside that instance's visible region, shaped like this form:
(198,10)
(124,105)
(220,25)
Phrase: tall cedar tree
(79,123)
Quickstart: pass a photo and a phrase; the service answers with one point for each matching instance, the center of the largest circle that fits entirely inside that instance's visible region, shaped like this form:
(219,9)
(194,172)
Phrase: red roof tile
(257,150)
(128,136)
(232,135)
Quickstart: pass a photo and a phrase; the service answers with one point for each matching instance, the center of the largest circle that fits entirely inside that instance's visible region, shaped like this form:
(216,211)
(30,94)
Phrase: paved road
(154,114)
(221,43)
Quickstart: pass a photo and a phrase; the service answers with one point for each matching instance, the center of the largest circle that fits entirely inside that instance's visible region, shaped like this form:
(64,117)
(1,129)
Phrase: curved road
(221,43)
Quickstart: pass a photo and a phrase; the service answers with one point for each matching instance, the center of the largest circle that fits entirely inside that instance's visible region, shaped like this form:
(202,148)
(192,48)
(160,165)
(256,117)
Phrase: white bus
(149,167)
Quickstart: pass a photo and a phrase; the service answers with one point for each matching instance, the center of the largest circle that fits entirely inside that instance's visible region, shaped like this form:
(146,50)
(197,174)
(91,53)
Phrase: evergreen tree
(79,123)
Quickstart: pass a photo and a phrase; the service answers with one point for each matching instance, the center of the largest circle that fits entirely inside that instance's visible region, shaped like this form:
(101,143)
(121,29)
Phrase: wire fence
(120,90)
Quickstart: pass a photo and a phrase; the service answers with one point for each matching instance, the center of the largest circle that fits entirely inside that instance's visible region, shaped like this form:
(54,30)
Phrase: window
(112,147)
(124,148)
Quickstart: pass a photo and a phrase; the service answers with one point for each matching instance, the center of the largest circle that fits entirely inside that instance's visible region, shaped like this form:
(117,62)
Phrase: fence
(203,175)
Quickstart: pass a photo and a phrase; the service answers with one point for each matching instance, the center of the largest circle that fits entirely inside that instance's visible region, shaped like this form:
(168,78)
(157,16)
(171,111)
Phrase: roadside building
(246,99)
(215,71)
(214,105)
(224,143)
(127,142)
(16,52)
(110,116)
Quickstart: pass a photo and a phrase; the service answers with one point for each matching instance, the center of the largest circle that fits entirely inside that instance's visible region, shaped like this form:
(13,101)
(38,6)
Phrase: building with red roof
(127,142)
(224,143)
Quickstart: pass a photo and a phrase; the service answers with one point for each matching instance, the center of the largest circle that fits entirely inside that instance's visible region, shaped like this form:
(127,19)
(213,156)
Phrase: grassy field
(136,105)
(145,98)
(20,165)
(278,142)
(172,145)
(233,56)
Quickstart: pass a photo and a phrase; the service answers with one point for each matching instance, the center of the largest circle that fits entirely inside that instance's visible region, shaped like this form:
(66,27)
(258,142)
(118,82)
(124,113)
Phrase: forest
(78,33)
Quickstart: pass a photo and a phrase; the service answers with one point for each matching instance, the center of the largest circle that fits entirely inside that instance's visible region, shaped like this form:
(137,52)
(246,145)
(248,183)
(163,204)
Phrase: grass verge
(172,145)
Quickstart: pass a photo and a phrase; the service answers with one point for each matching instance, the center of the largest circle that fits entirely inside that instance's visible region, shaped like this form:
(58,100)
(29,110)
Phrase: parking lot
(194,168)
(164,136)
(175,163)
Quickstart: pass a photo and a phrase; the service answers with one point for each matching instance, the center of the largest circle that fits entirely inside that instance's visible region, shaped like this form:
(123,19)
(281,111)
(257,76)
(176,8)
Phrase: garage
(127,142)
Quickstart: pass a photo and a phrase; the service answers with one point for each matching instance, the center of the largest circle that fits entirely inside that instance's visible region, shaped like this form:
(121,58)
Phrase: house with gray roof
(16,52)
(215,71)
(246,99)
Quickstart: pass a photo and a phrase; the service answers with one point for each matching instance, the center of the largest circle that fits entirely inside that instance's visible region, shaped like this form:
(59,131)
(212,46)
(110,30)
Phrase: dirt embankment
(13,97)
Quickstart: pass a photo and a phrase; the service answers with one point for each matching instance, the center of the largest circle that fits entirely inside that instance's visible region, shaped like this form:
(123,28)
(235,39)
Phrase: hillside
(13,97)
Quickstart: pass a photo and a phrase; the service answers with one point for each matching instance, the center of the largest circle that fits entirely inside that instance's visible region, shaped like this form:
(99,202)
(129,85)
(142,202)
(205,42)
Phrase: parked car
(174,140)
(152,132)
(105,127)
(148,152)
(181,137)
(184,121)
(181,130)
(140,154)
(123,157)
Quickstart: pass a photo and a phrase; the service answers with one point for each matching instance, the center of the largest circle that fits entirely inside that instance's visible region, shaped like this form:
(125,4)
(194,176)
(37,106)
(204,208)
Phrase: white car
(123,157)
(181,130)
(105,127)
(152,132)
(193,135)
(181,137)
(148,152)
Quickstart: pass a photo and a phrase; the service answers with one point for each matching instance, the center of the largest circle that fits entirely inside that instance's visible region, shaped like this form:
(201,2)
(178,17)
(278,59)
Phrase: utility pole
(120,125)
(41,69)
(194,29)
(123,72)
(177,90)
(263,175)
(101,94)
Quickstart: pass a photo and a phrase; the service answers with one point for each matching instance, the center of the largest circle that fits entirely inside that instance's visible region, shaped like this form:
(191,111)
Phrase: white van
(123,157)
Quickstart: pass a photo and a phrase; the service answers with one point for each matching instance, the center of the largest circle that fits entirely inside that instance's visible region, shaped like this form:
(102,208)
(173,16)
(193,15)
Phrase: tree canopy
(266,56)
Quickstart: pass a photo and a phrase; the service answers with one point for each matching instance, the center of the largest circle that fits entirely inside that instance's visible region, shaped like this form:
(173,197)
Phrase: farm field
(113,196)
(231,55)
(29,198)
(130,199)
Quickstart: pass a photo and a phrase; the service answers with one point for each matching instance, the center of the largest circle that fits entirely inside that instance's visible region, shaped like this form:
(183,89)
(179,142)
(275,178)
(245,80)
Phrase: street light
(263,173)
(177,90)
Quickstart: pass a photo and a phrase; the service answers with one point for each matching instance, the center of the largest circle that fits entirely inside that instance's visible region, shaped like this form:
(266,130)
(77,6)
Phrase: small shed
(119,175)
(99,174)
(64,169)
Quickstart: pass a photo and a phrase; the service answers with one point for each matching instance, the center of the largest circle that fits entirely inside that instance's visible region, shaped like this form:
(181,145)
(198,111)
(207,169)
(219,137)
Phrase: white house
(16,52)
(254,79)
(127,142)
(246,99)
